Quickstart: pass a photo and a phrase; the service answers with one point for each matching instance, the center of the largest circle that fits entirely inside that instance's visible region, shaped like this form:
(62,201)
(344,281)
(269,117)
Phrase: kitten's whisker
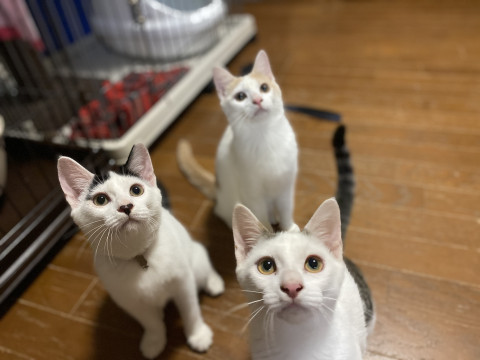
(105,243)
(242,306)
(93,231)
(96,249)
(325,306)
(92,222)
(253,291)
(82,248)
(270,329)
(110,242)
(254,314)
(100,240)
(95,235)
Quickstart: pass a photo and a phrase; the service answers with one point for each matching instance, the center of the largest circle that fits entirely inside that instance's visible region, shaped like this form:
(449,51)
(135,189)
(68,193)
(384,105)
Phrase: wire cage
(90,78)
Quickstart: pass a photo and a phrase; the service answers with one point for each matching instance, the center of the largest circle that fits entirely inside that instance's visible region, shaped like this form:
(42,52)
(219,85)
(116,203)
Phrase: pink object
(16,23)
(292,290)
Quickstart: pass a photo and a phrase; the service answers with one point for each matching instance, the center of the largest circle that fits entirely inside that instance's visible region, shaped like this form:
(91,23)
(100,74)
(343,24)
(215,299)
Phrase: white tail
(199,177)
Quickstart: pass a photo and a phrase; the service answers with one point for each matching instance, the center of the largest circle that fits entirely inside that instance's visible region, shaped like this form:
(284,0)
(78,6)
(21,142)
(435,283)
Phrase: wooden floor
(405,75)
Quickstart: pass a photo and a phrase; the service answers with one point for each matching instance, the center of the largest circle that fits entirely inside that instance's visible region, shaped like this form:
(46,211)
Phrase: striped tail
(346,179)
(198,176)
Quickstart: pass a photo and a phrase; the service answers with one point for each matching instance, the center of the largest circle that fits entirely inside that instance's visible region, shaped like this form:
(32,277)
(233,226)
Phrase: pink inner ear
(74,179)
(325,225)
(247,229)
(262,65)
(222,78)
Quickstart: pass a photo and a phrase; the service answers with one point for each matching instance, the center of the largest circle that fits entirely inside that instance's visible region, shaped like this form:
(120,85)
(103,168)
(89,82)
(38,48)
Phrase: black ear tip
(130,154)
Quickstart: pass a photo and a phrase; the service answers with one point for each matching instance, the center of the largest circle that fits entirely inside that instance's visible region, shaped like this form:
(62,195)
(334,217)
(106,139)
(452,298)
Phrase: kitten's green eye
(101,199)
(266,266)
(240,96)
(264,88)
(136,190)
(313,264)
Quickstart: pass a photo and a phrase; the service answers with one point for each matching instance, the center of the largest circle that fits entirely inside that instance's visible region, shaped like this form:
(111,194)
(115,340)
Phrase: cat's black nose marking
(127,209)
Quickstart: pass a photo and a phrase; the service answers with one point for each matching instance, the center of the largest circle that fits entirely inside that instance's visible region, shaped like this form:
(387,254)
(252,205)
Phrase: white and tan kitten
(256,161)
(306,303)
(143,255)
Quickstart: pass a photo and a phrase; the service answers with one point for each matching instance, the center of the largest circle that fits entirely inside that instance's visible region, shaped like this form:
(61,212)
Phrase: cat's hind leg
(207,279)
(199,335)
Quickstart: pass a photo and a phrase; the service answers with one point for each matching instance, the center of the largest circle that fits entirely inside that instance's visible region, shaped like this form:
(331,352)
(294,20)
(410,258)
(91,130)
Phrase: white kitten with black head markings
(143,255)
(256,163)
(306,302)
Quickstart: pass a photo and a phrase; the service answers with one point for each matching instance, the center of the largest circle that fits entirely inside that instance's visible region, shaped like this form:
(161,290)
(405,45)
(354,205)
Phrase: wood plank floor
(405,74)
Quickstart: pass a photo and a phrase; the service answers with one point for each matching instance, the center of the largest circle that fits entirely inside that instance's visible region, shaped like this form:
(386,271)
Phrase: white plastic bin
(158,29)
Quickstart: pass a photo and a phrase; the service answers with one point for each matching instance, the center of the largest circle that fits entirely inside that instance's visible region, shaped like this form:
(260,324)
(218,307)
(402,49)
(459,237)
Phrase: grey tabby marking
(345,196)
(346,180)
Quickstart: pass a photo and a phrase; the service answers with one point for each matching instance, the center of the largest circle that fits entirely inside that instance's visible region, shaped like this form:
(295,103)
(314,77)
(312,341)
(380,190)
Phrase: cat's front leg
(260,207)
(199,335)
(283,205)
(154,336)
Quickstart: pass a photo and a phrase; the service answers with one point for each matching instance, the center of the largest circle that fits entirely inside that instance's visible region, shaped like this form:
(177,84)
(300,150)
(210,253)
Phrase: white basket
(152,29)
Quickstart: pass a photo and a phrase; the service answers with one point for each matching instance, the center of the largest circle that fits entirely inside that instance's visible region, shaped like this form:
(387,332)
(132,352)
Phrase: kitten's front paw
(152,344)
(215,285)
(201,339)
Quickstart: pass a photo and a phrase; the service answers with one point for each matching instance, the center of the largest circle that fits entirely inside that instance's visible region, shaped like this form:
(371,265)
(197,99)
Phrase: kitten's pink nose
(257,100)
(291,290)
(127,209)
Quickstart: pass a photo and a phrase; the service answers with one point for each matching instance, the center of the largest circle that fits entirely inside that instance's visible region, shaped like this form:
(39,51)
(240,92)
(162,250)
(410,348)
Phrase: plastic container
(158,29)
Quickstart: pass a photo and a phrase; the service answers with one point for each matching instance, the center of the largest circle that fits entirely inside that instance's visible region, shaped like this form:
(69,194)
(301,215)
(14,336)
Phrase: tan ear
(140,163)
(74,179)
(325,226)
(222,78)
(262,65)
(247,229)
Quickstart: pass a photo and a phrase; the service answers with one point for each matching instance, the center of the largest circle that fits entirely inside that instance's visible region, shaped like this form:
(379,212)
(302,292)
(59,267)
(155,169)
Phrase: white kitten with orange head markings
(256,162)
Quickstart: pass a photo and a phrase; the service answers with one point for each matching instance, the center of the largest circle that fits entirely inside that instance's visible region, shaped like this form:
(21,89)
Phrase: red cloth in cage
(121,104)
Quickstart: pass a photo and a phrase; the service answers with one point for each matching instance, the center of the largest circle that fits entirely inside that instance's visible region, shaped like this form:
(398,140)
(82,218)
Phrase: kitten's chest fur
(312,339)
(164,265)
(269,149)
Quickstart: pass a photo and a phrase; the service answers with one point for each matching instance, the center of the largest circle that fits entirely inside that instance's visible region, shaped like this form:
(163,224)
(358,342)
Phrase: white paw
(294,228)
(201,339)
(215,285)
(152,344)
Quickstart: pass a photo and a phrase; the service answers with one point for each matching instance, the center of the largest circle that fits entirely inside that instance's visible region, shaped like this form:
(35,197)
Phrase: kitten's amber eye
(101,199)
(240,96)
(266,266)
(264,88)
(313,264)
(136,190)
